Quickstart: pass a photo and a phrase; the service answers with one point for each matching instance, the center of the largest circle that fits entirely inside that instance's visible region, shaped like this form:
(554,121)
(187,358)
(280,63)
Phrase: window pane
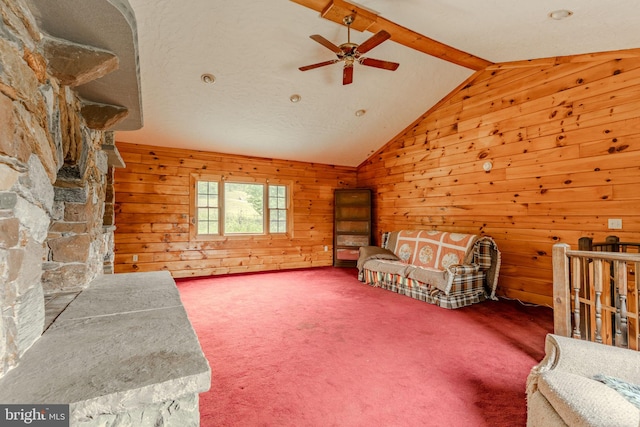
(244,207)
(203,227)
(203,214)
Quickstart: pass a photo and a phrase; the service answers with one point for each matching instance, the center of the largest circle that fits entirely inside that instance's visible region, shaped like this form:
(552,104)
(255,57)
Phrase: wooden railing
(595,293)
(610,244)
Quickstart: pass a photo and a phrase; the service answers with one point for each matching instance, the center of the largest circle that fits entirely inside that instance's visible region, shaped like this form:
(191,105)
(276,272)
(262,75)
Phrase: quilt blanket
(433,249)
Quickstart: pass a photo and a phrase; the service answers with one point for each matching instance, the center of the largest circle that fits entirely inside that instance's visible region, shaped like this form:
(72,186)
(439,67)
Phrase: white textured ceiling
(254,48)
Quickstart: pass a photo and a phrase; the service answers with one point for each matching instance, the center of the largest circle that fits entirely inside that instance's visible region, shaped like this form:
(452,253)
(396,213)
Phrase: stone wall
(53,182)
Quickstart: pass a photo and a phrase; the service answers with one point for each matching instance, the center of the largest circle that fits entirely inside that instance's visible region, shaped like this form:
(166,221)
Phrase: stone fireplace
(56,160)
(53,178)
(57,157)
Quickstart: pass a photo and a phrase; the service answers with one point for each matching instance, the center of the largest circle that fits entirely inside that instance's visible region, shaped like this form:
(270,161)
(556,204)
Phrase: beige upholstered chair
(561,389)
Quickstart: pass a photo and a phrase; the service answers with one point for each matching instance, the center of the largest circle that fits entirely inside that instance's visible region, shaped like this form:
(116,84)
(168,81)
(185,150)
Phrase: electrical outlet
(135,258)
(326,248)
(615,224)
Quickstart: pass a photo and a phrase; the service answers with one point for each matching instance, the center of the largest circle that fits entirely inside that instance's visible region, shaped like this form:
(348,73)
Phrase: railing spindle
(620,269)
(597,282)
(576,279)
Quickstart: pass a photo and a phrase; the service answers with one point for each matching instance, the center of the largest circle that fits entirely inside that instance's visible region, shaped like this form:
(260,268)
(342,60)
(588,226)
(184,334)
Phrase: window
(225,207)
(277,209)
(208,208)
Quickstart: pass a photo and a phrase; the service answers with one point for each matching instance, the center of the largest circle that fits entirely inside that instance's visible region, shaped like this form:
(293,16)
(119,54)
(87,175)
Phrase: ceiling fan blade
(319,64)
(373,41)
(347,74)
(326,43)
(385,65)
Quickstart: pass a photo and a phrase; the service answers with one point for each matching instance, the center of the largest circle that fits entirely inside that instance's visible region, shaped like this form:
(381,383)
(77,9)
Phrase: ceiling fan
(351,53)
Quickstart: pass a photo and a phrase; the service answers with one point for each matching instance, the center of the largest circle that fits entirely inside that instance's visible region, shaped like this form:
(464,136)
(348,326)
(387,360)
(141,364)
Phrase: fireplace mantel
(123,349)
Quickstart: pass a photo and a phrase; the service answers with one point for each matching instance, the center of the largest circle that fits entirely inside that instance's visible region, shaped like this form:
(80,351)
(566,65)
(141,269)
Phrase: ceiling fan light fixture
(295,98)
(208,78)
(560,14)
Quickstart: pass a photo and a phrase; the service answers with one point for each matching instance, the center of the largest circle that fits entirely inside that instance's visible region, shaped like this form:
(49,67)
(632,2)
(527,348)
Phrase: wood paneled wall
(564,139)
(152,213)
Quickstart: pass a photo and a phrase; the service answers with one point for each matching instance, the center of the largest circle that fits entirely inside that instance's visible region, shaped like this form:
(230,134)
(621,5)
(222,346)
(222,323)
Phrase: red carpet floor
(318,348)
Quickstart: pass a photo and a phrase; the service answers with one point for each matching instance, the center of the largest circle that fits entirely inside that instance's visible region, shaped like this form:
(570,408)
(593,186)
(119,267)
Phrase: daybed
(451,270)
(582,383)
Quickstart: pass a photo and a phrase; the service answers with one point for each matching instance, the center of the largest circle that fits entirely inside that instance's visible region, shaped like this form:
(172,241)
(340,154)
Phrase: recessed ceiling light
(295,98)
(208,78)
(560,14)
(361,113)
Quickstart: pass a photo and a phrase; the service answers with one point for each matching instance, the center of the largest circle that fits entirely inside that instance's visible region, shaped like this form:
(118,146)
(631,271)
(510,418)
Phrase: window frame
(222,234)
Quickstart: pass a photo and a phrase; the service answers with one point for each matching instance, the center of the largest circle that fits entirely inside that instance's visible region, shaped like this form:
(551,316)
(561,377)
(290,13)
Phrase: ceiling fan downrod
(348,20)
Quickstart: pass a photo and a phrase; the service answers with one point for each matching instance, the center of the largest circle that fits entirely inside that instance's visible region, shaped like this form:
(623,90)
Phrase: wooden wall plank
(152,213)
(563,140)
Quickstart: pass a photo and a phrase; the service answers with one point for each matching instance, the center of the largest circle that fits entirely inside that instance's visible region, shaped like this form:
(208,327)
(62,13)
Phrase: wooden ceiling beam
(366,20)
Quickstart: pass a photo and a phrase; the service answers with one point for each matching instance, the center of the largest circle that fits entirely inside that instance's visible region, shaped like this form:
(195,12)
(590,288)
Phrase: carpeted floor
(318,348)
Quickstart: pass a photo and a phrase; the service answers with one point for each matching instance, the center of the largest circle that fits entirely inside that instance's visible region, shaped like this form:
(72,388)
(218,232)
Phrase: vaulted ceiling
(253,48)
